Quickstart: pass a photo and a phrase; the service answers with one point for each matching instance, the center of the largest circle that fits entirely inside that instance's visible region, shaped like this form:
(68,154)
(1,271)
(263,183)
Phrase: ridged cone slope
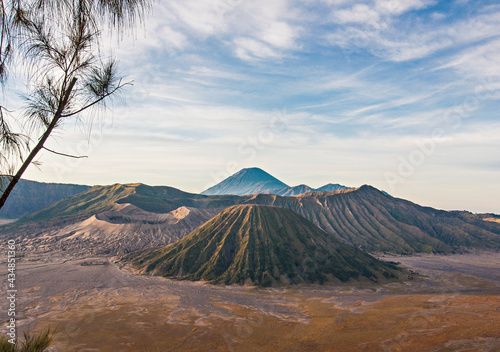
(260,245)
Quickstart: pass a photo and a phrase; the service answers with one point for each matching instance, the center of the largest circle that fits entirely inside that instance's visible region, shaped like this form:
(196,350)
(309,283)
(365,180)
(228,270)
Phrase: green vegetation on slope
(95,200)
(160,199)
(263,245)
(102,198)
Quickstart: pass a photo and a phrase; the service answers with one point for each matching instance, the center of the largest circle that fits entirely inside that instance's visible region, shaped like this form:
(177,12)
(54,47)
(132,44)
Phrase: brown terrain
(449,303)
(120,230)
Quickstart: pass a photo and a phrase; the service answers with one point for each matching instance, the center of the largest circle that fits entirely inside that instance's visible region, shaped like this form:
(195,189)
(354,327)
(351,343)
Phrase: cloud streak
(359,84)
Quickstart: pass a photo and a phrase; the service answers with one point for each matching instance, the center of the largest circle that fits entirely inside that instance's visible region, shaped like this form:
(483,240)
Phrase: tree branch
(97,101)
(68,155)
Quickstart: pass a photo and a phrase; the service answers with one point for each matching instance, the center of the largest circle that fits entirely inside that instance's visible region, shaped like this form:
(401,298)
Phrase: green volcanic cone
(261,245)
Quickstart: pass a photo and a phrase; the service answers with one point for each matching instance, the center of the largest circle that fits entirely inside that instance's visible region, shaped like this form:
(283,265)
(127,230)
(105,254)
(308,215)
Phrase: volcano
(261,245)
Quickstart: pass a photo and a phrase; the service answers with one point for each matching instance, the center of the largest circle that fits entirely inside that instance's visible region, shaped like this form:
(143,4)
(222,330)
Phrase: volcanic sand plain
(448,303)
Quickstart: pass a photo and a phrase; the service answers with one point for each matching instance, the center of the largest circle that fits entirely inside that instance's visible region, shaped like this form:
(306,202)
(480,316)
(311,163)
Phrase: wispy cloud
(377,14)
(378,29)
(360,83)
(479,61)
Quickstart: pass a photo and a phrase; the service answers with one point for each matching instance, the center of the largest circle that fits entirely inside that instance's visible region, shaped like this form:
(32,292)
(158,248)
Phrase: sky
(403,95)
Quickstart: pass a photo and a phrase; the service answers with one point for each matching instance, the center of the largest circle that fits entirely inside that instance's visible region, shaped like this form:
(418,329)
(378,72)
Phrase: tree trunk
(39,145)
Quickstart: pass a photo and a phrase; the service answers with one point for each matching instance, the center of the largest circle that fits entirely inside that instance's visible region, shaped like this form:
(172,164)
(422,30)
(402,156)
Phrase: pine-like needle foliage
(29,343)
(58,44)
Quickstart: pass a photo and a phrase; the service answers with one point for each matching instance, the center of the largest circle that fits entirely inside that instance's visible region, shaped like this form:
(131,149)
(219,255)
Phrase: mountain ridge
(31,196)
(364,217)
(257,181)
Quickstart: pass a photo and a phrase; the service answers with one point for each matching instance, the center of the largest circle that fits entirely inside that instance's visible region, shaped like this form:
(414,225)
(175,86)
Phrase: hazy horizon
(291,185)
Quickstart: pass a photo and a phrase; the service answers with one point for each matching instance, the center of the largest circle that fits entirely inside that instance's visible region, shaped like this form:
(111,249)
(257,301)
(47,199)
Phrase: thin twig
(68,155)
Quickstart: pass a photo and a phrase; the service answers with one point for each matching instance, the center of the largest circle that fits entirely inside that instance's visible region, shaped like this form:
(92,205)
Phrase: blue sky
(402,95)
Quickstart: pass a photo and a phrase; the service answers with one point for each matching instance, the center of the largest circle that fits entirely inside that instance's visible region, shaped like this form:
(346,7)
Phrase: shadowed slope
(260,245)
(30,196)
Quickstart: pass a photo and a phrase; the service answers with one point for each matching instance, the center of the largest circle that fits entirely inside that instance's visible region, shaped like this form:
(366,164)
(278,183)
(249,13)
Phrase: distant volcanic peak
(329,193)
(331,187)
(256,181)
(246,181)
(301,187)
(255,174)
(262,245)
(291,191)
